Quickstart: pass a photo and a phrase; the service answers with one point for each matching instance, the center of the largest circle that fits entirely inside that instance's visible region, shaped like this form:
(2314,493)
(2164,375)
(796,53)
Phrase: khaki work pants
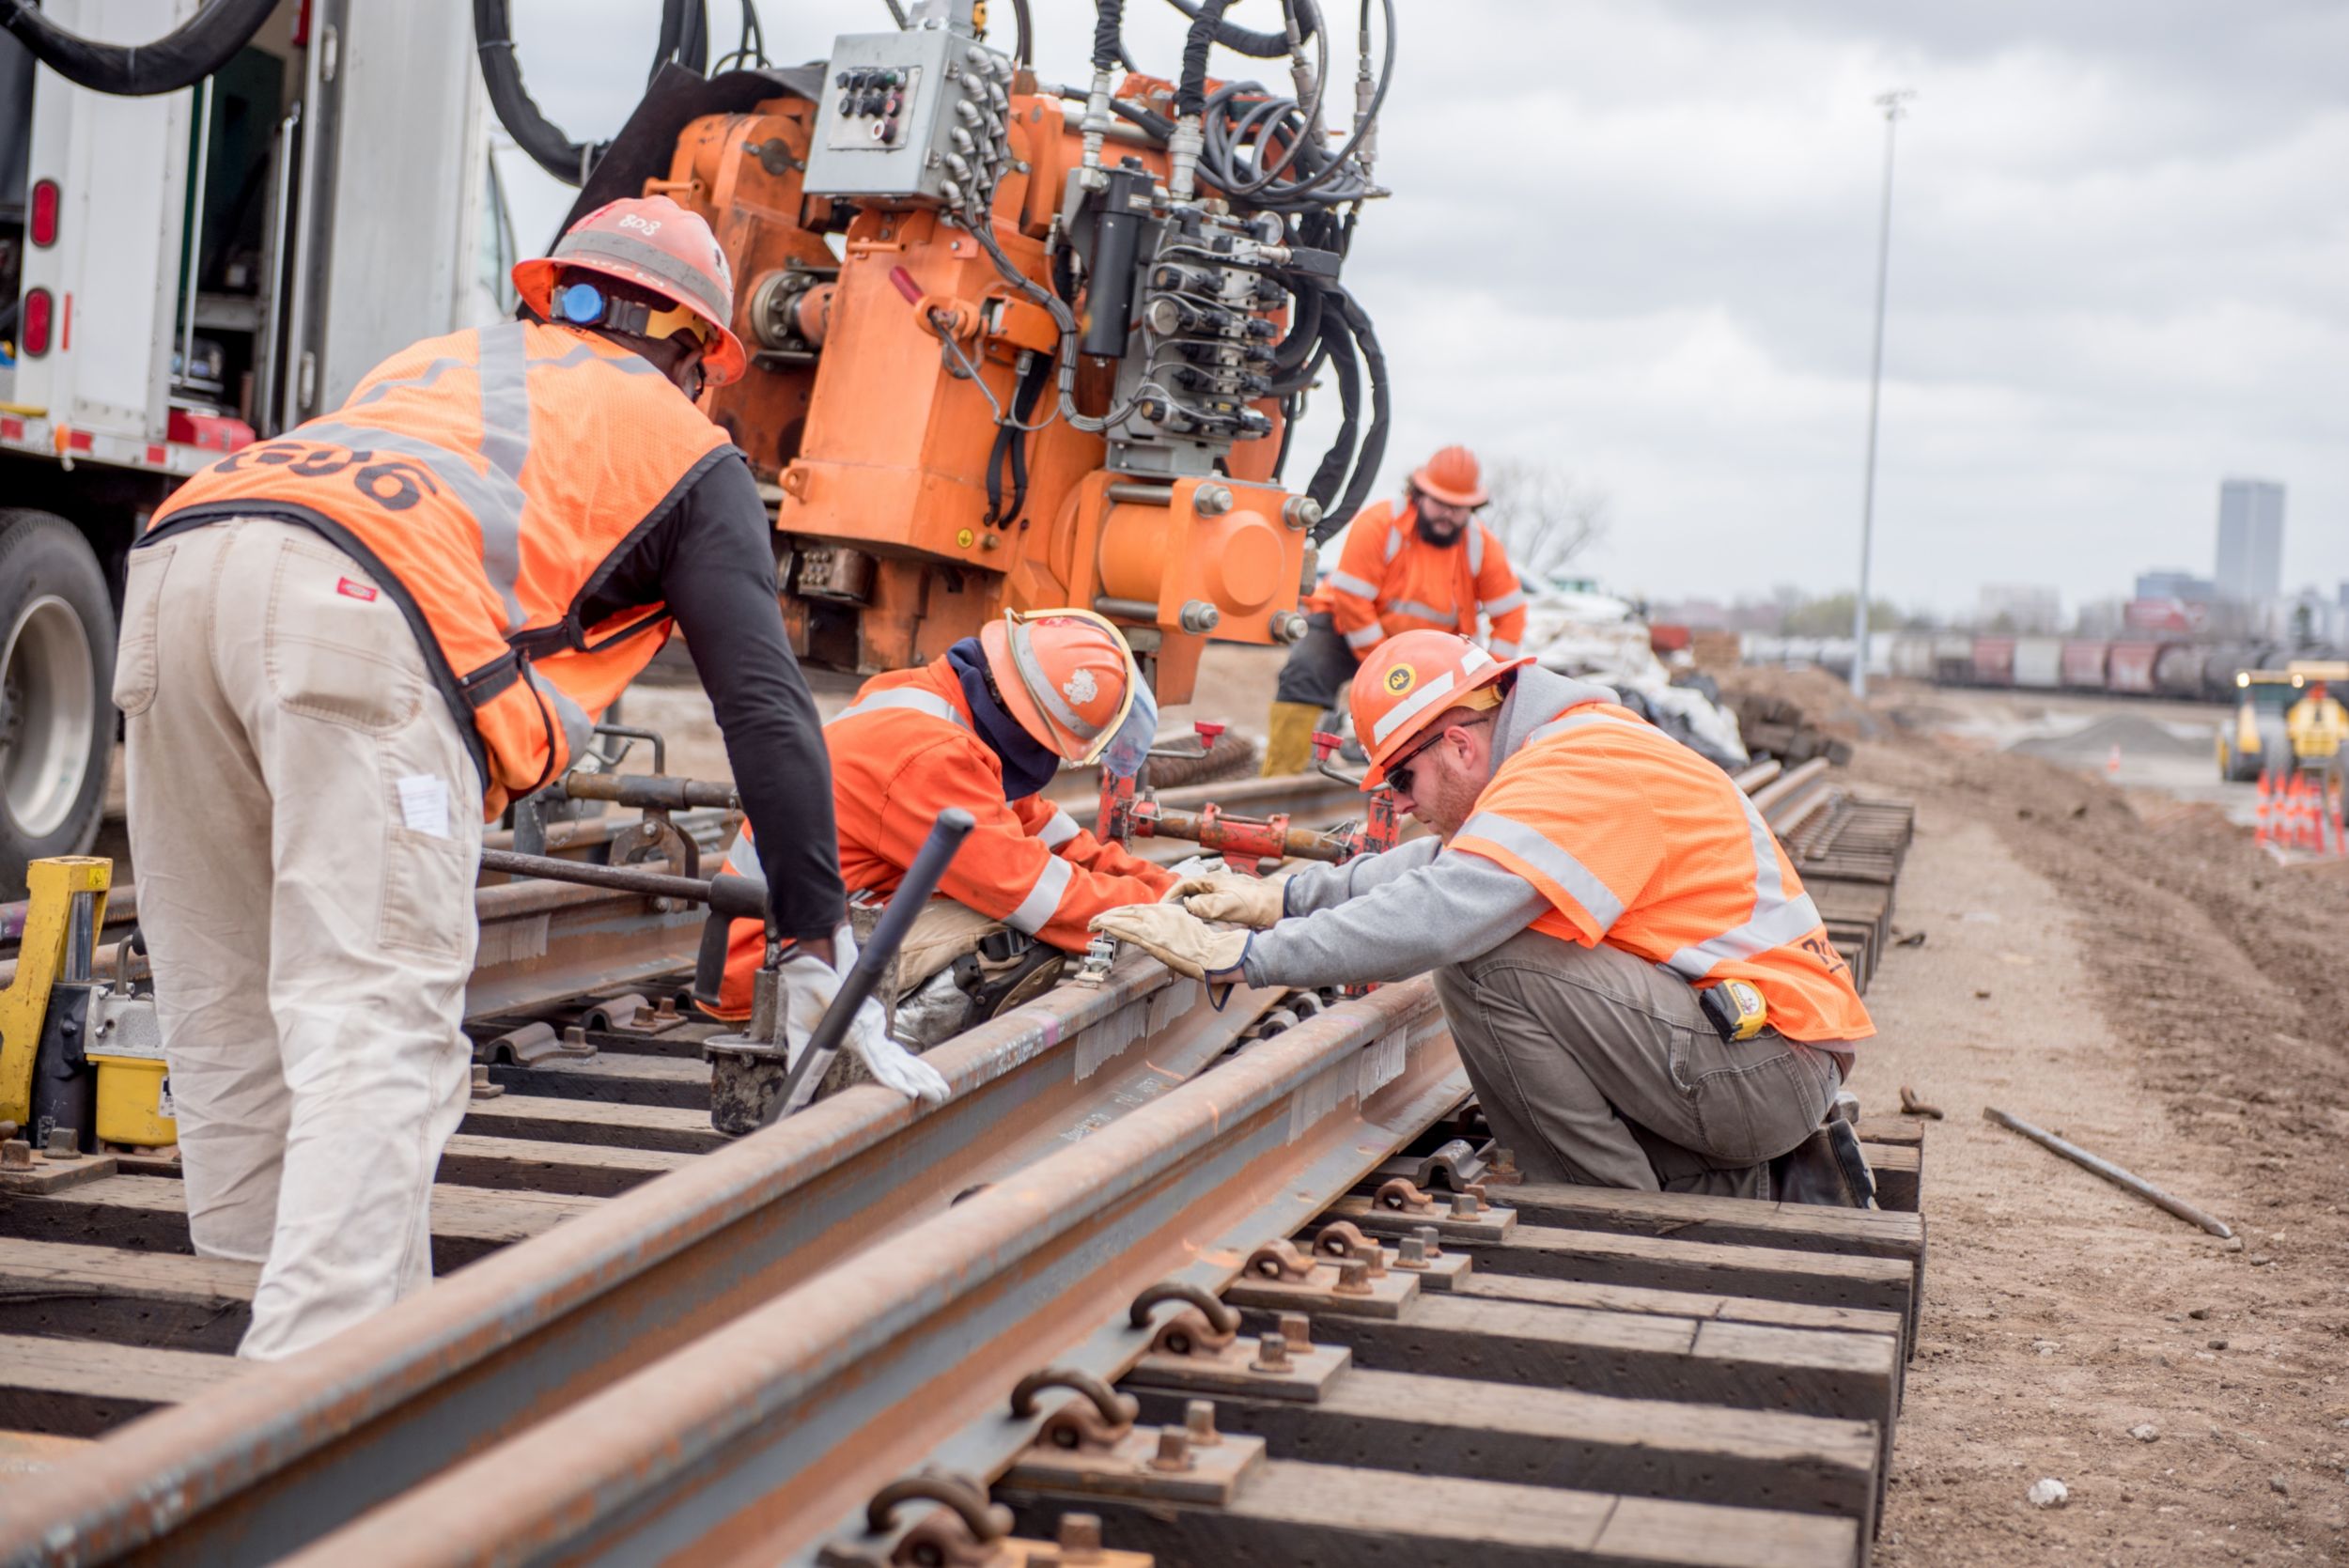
(305,822)
(1597,1067)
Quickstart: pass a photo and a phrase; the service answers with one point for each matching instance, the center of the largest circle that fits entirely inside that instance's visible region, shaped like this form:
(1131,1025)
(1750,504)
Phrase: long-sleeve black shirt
(710,559)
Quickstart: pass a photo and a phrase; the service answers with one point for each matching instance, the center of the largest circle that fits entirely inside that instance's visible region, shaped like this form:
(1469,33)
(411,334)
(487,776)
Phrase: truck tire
(57,687)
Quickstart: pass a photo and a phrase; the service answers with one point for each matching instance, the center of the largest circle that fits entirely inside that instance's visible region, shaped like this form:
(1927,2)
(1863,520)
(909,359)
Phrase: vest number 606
(394,484)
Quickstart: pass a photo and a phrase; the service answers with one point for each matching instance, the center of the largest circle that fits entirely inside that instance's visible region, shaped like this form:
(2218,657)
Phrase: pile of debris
(1596,637)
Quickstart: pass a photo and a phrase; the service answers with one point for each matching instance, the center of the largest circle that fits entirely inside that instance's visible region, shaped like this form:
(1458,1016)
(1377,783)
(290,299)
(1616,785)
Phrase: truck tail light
(42,223)
(40,310)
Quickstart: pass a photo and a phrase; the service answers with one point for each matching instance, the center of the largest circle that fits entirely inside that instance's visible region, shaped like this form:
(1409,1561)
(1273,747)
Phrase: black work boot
(1826,1168)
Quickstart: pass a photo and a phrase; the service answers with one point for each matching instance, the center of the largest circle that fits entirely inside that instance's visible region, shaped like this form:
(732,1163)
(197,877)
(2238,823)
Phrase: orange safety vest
(1390,580)
(1639,843)
(487,479)
(903,753)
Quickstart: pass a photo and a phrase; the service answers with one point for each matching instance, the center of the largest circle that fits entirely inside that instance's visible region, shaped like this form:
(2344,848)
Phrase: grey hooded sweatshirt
(1413,908)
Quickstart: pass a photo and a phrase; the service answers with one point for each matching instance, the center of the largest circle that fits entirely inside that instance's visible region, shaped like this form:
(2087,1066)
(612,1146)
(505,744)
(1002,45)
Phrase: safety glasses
(1399,774)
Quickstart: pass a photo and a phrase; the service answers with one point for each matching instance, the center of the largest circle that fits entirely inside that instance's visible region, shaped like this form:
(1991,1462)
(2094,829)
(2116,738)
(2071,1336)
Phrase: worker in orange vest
(345,649)
(1430,564)
(1643,994)
(984,726)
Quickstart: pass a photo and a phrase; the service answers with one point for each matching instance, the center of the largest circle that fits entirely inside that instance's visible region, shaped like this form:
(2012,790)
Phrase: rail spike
(1101,1419)
(1206,1324)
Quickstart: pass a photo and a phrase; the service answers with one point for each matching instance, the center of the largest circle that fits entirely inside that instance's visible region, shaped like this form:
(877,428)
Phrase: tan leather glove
(1251,901)
(1181,941)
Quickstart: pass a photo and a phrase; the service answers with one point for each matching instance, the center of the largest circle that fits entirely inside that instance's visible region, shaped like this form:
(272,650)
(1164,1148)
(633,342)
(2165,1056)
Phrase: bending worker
(984,726)
(2318,727)
(343,649)
(1594,884)
(1431,565)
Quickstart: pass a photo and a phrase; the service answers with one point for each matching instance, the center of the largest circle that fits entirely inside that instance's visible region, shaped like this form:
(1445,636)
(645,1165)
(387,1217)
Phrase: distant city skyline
(2251,568)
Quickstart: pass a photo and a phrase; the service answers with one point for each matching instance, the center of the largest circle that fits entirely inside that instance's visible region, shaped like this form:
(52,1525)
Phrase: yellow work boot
(1288,745)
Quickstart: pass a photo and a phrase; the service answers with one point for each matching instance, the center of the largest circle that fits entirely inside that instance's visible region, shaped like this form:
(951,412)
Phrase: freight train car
(1912,655)
(2178,671)
(1993,661)
(2129,667)
(2084,665)
(2039,662)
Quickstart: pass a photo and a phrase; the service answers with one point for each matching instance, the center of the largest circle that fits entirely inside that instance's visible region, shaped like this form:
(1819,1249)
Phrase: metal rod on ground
(953,825)
(2111,1173)
(736,897)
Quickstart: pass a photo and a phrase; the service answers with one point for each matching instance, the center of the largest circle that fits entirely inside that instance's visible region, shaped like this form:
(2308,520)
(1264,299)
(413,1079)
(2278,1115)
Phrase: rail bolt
(1174,1449)
(1301,512)
(1353,1278)
(1211,500)
(1199,617)
(1199,1420)
(1272,1354)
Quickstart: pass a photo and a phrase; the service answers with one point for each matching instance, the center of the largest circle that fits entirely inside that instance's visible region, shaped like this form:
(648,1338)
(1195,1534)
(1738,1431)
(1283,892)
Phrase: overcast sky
(1638,240)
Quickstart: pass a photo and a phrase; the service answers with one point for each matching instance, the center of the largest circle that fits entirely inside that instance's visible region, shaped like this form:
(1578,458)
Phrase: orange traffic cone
(2266,805)
(2113,763)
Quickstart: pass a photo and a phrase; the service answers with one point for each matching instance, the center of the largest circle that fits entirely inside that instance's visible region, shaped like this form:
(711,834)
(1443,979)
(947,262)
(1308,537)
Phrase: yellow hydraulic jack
(77,1056)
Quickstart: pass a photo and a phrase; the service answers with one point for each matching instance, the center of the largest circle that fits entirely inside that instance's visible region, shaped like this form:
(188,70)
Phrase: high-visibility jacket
(2318,730)
(485,479)
(1389,581)
(903,753)
(1639,843)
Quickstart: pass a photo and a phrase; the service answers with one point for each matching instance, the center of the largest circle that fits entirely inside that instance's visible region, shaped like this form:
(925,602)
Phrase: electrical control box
(910,119)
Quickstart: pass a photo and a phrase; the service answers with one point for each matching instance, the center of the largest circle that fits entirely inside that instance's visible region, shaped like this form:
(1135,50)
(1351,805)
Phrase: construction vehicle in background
(2257,738)
(203,241)
(1017,345)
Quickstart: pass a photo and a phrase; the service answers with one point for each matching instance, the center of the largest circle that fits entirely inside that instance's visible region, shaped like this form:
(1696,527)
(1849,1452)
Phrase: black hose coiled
(684,36)
(180,59)
(1247,40)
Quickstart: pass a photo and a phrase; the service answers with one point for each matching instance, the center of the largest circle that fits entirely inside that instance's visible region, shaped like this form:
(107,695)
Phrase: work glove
(811,985)
(1251,901)
(1180,941)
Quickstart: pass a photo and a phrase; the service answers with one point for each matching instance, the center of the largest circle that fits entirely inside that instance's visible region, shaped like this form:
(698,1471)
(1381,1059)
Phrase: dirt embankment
(2143,977)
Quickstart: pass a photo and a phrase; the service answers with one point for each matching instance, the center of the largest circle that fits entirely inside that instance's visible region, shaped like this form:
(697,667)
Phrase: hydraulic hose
(1247,40)
(180,59)
(1190,95)
(1373,450)
(684,36)
(1109,48)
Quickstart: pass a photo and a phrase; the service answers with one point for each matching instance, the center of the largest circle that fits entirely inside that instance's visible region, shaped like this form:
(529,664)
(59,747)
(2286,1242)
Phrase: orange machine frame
(878,449)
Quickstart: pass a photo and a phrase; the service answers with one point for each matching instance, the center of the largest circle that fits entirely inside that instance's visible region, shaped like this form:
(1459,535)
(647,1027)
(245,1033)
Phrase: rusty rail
(262,1463)
(765,1439)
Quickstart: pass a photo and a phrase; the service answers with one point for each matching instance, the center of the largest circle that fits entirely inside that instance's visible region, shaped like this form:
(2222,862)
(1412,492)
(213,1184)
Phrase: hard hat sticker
(1080,688)
(1401,679)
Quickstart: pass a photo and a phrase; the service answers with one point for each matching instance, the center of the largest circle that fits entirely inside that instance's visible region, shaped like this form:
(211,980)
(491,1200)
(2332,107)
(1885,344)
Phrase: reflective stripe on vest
(911,697)
(1446,616)
(1551,860)
(1058,829)
(1502,648)
(1395,539)
(1346,582)
(1043,896)
(1476,546)
(1776,920)
(1496,608)
(1366,636)
(743,859)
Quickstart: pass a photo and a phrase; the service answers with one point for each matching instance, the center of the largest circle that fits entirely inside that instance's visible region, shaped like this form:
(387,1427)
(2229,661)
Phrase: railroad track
(664,1345)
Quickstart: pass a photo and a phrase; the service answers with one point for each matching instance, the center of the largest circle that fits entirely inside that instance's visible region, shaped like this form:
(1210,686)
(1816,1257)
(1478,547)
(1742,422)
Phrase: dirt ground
(2136,974)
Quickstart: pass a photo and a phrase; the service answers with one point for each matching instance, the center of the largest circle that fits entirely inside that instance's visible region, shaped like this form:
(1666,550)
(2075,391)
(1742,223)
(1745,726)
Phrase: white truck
(186,272)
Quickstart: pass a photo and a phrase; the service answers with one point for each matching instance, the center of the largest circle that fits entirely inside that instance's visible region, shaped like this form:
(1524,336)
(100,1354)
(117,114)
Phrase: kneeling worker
(344,648)
(984,726)
(1598,894)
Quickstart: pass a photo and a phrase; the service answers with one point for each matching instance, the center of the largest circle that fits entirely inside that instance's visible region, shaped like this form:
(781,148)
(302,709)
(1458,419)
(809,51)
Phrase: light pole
(1891,103)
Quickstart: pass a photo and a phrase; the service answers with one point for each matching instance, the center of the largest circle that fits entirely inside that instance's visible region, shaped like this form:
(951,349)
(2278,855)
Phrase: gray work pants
(1597,1067)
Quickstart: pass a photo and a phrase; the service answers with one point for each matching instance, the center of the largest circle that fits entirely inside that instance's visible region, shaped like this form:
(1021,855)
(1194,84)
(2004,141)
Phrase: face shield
(1128,749)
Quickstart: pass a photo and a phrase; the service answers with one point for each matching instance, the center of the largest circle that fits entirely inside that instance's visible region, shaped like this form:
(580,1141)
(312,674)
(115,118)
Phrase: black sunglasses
(1399,776)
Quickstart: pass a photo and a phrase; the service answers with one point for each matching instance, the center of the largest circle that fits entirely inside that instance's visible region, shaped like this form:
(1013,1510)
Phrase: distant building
(2171,583)
(2023,607)
(2250,540)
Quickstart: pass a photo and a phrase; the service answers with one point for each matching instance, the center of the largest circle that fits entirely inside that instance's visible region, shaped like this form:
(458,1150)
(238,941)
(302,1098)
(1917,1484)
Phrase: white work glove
(1181,941)
(811,985)
(1251,901)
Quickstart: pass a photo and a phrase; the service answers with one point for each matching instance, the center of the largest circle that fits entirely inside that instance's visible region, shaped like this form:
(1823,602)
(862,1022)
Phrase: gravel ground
(2134,975)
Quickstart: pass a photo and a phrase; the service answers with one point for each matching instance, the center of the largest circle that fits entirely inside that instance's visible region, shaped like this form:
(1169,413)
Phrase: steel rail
(758,1441)
(290,1449)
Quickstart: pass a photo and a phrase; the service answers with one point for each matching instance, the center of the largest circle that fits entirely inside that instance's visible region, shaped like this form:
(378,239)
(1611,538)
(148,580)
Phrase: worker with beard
(1642,992)
(1428,564)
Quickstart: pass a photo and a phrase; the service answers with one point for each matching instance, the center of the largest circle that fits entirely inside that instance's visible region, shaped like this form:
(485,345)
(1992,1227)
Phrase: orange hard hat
(1409,681)
(1451,475)
(652,243)
(1066,676)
